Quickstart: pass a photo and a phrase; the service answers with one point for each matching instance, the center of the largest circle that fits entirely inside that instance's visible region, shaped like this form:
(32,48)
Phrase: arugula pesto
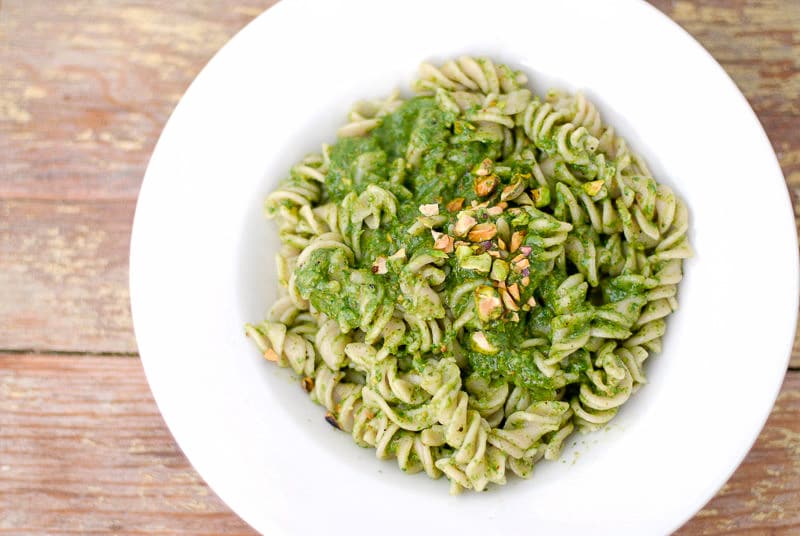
(472,273)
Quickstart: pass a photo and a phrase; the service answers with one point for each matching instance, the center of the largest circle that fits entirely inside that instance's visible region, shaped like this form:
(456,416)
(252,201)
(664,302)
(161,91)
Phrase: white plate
(201,266)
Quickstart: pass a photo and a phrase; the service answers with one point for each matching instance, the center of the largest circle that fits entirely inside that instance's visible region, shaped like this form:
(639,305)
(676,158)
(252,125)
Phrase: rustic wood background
(85,89)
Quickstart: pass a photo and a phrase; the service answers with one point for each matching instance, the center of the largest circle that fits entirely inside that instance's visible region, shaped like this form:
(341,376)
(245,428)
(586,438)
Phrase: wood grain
(757,41)
(85,88)
(85,450)
(64,275)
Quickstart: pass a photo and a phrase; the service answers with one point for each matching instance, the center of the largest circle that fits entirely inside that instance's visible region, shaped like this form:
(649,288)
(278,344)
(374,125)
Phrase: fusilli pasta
(472,274)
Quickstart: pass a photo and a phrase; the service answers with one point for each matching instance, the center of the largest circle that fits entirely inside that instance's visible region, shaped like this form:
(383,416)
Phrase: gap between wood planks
(66,353)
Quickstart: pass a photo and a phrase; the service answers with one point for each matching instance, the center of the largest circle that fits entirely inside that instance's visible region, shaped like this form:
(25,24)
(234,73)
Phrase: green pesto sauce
(350,292)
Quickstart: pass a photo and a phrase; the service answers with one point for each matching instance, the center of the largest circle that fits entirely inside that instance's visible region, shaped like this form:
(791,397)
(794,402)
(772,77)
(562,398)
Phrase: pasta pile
(472,274)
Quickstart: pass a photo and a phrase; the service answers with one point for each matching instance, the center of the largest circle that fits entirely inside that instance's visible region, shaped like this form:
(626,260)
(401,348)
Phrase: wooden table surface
(85,89)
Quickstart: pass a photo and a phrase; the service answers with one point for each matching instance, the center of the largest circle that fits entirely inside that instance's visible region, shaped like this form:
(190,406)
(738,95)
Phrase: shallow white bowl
(201,266)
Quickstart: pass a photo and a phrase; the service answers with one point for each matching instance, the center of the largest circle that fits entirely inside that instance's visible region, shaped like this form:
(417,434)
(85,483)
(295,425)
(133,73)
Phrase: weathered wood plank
(83,449)
(86,87)
(64,276)
(764,491)
(757,41)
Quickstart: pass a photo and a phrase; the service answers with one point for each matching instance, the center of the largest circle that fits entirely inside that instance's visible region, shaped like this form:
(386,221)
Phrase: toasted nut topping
(456,204)
(485,185)
(481,344)
(443,243)
(514,291)
(514,317)
(308,384)
(488,303)
(270,355)
(499,270)
(479,263)
(516,240)
(484,168)
(332,420)
(429,210)
(593,188)
(461,243)
(494,253)
(495,210)
(526,281)
(512,191)
(518,258)
(526,250)
(524,263)
(464,224)
(532,301)
(379,266)
(508,301)
(482,231)
(500,243)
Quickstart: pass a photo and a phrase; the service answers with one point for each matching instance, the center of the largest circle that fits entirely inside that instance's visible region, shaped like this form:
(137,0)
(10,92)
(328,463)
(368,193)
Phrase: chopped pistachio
(514,317)
(541,196)
(508,301)
(379,266)
(494,211)
(518,258)
(521,265)
(443,243)
(525,281)
(456,204)
(485,185)
(479,263)
(481,344)
(514,291)
(397,255)
(593,188)
(461,243)
(526,250)
(532,301)
(516,240)
(308,384)
(331,419)
(464,223)
(488,304)
(482,231)
(526,307)
(484,168)
(513,190)
(500,243)
(494,253)
(463,253)
(270,355)
(499,270)
(431,209)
